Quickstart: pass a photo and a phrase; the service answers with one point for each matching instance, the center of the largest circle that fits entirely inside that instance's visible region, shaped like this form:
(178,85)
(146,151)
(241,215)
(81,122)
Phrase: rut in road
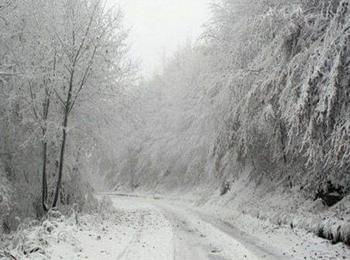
(195,238)
(174,230)
(189,242)
(126,252)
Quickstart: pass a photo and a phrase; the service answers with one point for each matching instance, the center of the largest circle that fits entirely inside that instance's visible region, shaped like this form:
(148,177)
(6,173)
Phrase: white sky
(159,27)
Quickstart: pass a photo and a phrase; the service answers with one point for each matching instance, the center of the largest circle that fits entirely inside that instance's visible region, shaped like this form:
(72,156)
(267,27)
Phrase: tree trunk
(60,170)
(67,109)
(44,178)
(46,107)
(283,135)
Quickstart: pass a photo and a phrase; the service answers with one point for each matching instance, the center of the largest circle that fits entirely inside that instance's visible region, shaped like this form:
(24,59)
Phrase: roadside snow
(129,232)
(141,228)
(280,240)
(90,238)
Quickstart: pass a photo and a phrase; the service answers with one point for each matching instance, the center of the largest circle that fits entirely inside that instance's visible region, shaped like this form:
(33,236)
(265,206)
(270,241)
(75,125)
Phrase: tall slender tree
(94,61)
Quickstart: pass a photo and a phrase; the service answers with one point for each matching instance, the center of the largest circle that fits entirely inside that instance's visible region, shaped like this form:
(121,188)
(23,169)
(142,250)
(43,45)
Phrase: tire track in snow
(133,241)
(258,248)
(203,234)
(195,239)
(195,236)
(152,239)
(186,241)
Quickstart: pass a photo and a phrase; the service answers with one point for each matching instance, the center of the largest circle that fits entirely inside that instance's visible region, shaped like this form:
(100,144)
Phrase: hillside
(259,105)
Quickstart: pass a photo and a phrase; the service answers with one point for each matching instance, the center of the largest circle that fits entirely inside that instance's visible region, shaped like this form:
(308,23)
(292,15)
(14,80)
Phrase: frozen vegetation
(251,123)
(257,110)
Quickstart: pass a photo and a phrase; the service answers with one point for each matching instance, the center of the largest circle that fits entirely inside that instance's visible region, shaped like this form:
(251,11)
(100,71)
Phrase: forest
(263,94)
(256,112)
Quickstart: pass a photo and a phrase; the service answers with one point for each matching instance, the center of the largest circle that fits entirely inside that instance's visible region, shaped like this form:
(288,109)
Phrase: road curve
(187,235)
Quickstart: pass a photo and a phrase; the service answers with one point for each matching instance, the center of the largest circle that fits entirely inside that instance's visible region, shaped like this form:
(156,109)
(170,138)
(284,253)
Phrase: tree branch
(83,81)
(60,98)
(32,98)
(86,33)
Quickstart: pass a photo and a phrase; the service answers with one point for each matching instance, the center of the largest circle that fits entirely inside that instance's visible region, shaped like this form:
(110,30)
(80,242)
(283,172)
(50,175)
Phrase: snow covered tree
(265,88)
(64,66)
(92,50)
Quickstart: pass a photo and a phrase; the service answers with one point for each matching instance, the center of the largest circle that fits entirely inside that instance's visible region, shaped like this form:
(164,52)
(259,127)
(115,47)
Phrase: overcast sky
(161,26)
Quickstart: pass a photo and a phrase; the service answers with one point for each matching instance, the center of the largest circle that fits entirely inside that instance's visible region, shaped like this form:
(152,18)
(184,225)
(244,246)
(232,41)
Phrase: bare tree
(94,53)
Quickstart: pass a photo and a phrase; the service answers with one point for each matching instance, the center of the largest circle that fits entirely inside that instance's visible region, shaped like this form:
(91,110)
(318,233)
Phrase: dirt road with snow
(199,237)
(170,230)
(186,235)
(148,228)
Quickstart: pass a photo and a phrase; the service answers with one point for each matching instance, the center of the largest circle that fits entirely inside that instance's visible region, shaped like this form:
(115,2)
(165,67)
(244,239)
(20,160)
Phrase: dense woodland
(63,66)
(266,88)
(264,91)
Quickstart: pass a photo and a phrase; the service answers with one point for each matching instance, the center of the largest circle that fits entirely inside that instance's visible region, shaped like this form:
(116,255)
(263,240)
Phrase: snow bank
(115,231)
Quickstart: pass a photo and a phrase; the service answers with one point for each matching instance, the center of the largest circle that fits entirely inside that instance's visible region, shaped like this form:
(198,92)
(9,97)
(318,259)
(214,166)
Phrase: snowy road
(185,234)
(171,229)
(145,228)
(197,237)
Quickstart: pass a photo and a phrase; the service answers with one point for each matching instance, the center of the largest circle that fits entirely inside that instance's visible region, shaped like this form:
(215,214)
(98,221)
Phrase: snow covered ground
(151,228)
